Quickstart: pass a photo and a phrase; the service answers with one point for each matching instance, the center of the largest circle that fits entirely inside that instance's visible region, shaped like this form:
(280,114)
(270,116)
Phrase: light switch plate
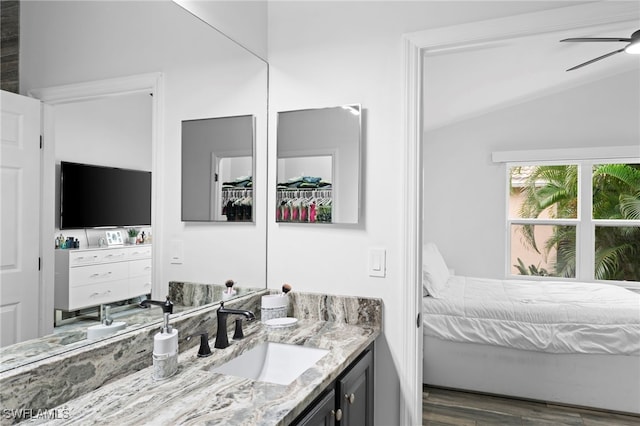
(377,262)
(177,252)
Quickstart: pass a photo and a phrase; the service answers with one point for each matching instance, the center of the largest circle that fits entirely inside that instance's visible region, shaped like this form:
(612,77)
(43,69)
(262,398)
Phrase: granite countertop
(74,335)
(197,396)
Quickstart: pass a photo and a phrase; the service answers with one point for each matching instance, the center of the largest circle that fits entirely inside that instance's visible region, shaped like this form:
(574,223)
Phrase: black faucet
(204,350)
(167,305)
(222,340)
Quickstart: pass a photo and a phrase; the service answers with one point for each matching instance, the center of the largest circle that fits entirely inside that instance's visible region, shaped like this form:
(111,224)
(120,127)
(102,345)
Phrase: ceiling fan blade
(598,39)
(596,59)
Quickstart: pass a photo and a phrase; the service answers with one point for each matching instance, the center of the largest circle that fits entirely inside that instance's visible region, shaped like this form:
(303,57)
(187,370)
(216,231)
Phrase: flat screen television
(98,196)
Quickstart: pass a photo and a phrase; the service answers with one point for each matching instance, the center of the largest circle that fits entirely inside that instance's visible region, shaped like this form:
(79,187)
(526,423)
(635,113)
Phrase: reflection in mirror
(304,189)
(195,62)
(217,169)
(319,165)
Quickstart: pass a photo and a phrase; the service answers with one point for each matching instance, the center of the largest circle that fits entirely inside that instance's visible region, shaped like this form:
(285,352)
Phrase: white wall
(465,191)
(113,131)
(243,21)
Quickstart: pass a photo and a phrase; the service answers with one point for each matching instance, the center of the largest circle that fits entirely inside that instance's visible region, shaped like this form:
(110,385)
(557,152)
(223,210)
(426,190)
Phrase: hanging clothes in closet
(237,199)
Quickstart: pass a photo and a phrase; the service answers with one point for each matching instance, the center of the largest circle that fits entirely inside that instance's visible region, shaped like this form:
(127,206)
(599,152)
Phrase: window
(575,220)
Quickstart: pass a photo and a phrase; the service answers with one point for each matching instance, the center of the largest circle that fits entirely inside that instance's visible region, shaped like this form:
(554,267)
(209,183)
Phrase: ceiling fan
(633,47)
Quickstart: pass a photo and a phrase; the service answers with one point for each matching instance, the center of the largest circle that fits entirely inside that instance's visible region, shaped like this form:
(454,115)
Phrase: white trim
(47,221)
(479,33)
(567,154)
(151,82)
(415,45)
(96,89)
(411,349)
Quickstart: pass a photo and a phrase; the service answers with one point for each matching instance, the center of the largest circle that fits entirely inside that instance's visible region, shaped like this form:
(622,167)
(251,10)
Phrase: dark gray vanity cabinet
(355,392)
(322,411)
(348,401)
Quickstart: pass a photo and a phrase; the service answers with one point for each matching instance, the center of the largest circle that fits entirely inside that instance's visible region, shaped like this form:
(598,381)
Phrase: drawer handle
(106,274)
(350,398)
(337,414)
(96,294)
(147,268)
(147,285)
(114,255)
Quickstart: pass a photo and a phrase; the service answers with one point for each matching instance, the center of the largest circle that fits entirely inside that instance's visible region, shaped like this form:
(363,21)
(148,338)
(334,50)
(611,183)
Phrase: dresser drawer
(91,257)
(139,252)
(140,267)
(139,285)
(96,294)
(87,275)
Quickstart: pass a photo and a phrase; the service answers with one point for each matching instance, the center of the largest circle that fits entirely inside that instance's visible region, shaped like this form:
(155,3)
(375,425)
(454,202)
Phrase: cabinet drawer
(139,286)
(140,267)
(84,258)
(87,275)
(91,257)
(139,252)
(96,294)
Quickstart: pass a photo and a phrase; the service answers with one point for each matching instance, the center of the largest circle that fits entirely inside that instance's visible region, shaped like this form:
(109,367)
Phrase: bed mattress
(554,317)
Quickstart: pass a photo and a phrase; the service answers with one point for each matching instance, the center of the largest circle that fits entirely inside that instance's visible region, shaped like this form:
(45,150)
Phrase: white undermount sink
(101,330)
(272,362)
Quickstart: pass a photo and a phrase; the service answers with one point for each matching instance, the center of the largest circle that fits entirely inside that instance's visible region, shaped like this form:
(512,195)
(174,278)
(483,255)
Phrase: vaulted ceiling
(475,79)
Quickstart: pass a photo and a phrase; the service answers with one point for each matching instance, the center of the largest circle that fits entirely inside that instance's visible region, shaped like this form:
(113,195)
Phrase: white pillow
(435,273)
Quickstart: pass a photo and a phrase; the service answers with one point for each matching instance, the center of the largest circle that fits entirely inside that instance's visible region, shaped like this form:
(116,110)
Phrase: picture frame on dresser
(114,238)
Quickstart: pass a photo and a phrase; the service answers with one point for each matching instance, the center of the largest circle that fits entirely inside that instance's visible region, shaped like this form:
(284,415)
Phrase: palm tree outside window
(575,221)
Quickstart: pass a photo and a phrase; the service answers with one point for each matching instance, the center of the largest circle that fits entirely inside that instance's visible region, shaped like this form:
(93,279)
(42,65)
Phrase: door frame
(416,46)
(57,95)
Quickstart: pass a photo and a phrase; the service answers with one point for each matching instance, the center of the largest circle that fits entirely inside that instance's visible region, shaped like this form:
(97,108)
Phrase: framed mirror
(218,169)
(319,161)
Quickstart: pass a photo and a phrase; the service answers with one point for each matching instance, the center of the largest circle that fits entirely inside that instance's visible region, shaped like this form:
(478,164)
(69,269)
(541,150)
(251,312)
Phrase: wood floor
(442,407)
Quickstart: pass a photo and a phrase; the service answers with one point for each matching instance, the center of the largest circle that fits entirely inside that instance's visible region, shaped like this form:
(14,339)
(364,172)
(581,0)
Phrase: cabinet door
(323,412)
(355,391)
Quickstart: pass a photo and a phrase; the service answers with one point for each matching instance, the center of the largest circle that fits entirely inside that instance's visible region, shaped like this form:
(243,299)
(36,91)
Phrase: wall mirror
(218,169)
(205,74)
(319,165)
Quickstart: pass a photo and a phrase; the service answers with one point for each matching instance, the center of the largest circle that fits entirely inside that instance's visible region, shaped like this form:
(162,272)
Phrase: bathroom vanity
(340,383)
(348,400)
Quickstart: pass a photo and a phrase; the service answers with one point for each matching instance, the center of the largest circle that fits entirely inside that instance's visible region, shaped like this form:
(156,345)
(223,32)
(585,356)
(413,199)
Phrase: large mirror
(218,169)
(203,74)
(319,165)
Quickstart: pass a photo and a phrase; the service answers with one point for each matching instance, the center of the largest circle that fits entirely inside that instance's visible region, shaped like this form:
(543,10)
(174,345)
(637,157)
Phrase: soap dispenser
(165,343)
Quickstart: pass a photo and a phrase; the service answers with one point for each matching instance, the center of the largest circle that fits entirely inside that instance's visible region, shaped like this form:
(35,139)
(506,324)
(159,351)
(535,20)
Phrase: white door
(20,218)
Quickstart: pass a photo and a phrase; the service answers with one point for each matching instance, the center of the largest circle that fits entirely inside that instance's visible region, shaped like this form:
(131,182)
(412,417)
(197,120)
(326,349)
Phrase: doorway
(73,96)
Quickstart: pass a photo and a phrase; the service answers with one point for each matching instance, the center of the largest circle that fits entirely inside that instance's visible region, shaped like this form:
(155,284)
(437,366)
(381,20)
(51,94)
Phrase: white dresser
(95,276)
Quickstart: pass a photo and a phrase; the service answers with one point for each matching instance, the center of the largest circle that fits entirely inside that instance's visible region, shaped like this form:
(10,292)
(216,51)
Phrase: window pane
(616,191)
(617,253)
(543,192)
(543,250)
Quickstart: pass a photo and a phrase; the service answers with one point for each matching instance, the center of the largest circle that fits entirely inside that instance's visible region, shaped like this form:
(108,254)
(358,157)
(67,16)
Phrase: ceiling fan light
(633,48)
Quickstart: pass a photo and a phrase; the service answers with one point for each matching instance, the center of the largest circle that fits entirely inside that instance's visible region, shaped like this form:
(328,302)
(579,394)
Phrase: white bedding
(555,317)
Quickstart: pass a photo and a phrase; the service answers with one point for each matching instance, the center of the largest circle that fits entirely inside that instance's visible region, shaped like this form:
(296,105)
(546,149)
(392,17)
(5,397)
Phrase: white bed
(571,343)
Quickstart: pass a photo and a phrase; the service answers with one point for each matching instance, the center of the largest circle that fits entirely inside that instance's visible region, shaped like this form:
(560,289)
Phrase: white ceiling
(472,80)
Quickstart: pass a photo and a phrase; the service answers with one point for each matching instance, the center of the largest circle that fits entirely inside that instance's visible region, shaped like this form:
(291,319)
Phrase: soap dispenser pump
(165,343)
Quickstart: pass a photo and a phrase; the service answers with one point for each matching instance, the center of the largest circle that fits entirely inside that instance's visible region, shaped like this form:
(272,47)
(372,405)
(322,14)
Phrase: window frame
(584,222)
